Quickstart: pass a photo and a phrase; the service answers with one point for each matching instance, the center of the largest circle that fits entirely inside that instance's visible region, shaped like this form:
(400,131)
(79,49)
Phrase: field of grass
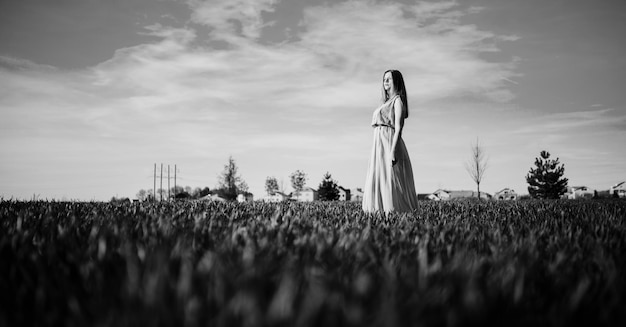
(525,263)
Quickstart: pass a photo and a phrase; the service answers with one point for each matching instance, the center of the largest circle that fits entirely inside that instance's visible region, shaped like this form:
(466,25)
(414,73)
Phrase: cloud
(573,122)
(185,97)
(336,61)
(18,64)
(224,16)
(439,59)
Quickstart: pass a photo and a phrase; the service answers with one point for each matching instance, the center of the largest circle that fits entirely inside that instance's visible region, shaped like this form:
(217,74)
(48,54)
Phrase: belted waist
(382,125)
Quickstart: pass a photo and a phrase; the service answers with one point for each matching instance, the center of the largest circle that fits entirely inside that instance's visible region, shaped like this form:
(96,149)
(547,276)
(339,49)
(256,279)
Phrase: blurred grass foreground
(528,263)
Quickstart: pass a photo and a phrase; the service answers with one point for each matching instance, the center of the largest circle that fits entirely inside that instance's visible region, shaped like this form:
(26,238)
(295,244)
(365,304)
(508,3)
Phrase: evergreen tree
(230,183)
(328,189)
(546,180)
(202,192)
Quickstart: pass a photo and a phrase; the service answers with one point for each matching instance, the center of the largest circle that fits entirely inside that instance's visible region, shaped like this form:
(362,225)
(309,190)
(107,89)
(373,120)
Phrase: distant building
(356,195)
(245,197)
(344,194)
(212,197)
(619,189)
(445,195)
(505,194)
(307,195)
(277,197)
(439,195)
(578,192)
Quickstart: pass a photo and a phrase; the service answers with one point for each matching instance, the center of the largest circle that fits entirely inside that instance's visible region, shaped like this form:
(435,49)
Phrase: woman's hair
(398,83)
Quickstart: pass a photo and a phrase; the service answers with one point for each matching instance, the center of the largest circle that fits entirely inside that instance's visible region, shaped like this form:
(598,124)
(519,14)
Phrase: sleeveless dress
(388,188)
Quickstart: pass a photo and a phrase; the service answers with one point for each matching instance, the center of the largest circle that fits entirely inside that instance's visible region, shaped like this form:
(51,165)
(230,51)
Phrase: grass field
(525,263)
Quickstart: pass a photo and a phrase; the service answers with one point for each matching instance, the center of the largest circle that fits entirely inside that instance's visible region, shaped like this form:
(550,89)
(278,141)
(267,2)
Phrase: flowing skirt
(389,188)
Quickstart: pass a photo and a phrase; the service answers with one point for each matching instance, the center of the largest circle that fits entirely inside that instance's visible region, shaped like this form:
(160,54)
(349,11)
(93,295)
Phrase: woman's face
(388,82)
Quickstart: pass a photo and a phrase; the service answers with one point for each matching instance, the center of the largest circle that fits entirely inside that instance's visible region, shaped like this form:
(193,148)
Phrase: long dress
(388,188)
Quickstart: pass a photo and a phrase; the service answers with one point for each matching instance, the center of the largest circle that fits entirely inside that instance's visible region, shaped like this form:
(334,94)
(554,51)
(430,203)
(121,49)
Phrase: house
(344,194)
(578,192)
(439,195)
(356,195)
(307,195)
(245,197)
(277,197)
(619,189)
(212,197)
(505,194)
(444,195)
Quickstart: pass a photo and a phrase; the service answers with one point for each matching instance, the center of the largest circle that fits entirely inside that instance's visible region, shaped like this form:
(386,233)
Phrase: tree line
(328,189)
(231,184)
(545,181)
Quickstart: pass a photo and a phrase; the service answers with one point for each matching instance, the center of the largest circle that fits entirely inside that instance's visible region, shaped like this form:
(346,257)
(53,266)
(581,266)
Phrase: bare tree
(142,195)
(477,164)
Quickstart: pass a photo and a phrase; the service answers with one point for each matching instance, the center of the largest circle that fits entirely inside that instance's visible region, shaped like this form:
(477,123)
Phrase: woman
(389,184)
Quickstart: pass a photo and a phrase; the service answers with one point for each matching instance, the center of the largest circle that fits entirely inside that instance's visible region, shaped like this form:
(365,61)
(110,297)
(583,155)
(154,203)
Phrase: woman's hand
(398,108)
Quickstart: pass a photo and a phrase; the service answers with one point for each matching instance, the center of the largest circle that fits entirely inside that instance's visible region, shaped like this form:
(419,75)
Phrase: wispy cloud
(192,99)
(225,17)
(562,123)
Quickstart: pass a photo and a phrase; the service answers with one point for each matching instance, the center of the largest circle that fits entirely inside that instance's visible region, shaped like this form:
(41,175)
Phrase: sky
(94,93)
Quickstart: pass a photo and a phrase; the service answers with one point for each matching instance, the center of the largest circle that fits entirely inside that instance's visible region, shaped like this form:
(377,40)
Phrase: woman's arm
(399,124)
